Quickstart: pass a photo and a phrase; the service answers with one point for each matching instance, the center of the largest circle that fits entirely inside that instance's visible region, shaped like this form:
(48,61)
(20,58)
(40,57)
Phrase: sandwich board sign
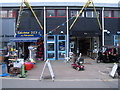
(114,69)
(50,69)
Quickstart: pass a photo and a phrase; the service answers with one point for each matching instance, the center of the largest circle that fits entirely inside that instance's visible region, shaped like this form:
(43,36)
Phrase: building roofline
(59,4)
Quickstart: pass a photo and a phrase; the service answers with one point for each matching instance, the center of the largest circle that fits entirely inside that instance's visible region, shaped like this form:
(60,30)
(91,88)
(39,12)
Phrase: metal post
(67,35)
(103,41)
(44,34)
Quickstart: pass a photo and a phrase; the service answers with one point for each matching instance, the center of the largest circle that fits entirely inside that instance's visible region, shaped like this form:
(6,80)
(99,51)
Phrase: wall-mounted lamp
(118,32)
(107,31)
(61,32)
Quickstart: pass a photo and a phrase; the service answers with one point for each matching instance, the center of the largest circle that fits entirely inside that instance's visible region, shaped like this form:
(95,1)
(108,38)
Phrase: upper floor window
(56,13)
(111,14)
(50,13)
(116,13)
(92,14)
(3,14)
(61,13)
(7,14)
(107,14)
(74,13)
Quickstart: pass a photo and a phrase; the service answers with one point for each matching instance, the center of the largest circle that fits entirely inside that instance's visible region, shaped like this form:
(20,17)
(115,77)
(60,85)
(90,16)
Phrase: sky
(95,1)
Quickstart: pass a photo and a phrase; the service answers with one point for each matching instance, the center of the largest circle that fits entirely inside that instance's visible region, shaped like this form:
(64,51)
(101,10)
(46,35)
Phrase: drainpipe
(44,33)
(67,36)
(103,41)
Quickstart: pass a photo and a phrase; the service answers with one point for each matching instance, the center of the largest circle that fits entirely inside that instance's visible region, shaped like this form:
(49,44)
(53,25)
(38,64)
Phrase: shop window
(74,13)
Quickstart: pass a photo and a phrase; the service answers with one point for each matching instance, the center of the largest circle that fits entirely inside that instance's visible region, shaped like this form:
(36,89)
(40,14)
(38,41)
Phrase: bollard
(23,72)
(4,74)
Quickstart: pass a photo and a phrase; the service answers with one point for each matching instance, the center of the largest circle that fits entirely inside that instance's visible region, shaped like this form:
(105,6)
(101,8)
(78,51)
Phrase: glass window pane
(61,13)
(116,13)
(107,14)
(61,55)
(10,14)
(117,37)
(75,13)
(89,14)
(50,13)
(50,55)
(3,14)
(94,14)
(62,46)
(50,46)
(50,37)
(61,37)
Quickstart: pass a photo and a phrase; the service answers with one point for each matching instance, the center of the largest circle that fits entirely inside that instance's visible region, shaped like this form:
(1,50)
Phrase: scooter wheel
(78,68)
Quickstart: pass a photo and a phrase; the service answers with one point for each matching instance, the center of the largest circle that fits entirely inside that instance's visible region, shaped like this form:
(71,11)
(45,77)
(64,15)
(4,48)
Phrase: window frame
(77,12)
(115,40)
(92,14)
(111,13)
(7,14)
(55,13)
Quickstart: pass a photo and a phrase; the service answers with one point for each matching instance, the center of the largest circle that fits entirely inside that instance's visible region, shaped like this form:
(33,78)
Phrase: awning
(25,39)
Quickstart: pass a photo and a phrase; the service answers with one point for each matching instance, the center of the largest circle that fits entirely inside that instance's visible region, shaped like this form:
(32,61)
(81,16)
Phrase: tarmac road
(79,83)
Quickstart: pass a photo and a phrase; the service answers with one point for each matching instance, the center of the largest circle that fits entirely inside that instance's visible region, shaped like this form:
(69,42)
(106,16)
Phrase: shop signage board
(114,69)
(50,69)
(29,33)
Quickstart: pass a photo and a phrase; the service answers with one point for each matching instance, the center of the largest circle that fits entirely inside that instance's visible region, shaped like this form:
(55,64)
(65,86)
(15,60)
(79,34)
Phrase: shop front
(86,43)
(27,43)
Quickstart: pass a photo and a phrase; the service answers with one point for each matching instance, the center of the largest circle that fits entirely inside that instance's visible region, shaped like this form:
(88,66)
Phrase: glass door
(51,47)
(61,47)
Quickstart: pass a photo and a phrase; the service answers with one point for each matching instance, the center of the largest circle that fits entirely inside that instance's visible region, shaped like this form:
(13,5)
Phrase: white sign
(50,69)
(114,69)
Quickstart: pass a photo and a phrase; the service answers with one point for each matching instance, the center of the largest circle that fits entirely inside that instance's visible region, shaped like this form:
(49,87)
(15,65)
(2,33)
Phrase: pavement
(95,75)
(64,72)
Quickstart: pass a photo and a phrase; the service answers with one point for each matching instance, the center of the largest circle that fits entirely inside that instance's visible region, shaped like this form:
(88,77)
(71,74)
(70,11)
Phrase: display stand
(50,69)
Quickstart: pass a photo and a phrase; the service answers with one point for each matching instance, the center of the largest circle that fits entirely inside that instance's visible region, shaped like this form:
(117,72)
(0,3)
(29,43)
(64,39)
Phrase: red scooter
(78,63)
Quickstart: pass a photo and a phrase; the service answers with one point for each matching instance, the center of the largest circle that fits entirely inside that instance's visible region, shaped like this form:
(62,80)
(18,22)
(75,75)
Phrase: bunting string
(80,12)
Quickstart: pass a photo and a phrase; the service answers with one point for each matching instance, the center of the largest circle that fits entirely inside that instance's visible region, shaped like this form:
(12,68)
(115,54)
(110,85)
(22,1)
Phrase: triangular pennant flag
(58,26)
(63,24)
(54,29)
